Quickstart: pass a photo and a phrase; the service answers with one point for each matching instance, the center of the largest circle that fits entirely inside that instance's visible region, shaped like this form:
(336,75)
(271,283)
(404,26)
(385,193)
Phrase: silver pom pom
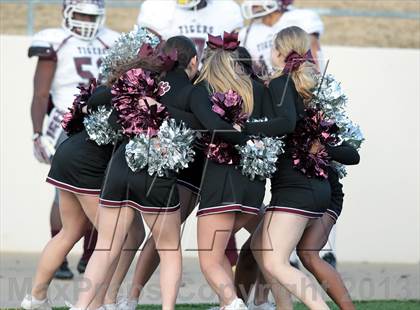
(177,141)
(137,152)
(259,157)
(339,168)
(331,99)
(170,150)
(353,135)
(257,120)
(125,50)
(98,128)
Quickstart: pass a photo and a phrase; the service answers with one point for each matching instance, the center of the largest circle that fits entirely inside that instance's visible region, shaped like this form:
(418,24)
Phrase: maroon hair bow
(284,4)
(146,50)
(165,61)
(294,60)
(168,59)
(229,42)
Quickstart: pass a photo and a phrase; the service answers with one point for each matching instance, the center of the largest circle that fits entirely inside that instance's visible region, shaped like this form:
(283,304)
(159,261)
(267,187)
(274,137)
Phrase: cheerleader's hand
(258,143)
(316,147)
(41,151)
(237,127)
(150,101)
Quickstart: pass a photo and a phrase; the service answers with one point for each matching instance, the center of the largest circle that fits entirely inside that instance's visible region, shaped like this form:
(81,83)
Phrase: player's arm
(44,75)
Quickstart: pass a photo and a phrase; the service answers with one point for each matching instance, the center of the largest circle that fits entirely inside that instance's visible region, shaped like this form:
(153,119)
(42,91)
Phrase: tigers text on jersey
(168,20)
(259,38)
(77,60)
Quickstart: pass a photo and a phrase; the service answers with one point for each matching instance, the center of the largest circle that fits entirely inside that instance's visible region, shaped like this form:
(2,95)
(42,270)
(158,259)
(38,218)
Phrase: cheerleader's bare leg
(280,235)
(247,268)
(113,226)
(131,245)
(313,240)
(214,231)
(74,220)
(148,260)
(266,281)
(165,228)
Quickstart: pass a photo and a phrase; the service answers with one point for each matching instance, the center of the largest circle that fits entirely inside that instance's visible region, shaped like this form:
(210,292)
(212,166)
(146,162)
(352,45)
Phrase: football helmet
(187,4)
(83,29)
(259,8)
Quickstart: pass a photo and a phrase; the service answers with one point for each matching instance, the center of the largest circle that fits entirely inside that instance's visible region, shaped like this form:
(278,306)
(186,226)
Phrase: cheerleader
(128,189)
(316,235)
(296,198)
(188,180)
(228,199)
(312,242)
(77,171)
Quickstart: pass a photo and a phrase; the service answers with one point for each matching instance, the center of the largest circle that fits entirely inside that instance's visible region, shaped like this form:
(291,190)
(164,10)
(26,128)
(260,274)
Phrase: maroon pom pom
(229,107)
(73,120)
(130,95)
(313,127)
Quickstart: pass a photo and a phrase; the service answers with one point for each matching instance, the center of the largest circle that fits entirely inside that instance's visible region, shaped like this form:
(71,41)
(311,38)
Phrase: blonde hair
(295,39)
(222,72)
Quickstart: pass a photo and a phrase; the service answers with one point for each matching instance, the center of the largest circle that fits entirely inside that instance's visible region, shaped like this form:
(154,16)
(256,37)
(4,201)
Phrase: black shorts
(79,165)
(337,195)
(226,189)
(293,192)
(124,188)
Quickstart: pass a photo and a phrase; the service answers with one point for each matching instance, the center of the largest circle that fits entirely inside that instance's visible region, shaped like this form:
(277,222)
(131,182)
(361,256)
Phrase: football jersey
(168,20)
(258,39)
(77,62)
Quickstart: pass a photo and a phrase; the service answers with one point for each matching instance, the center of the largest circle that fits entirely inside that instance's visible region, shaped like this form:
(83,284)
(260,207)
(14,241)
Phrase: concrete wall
(380,221)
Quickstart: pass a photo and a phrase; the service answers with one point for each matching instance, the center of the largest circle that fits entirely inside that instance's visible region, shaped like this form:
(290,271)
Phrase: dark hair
(143,63)
(185,48)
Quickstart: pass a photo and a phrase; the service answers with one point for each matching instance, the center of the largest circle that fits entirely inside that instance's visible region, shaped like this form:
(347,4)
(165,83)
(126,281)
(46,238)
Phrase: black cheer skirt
(191,176)
(79,165)
(124,188)
(226,189)
(293,192)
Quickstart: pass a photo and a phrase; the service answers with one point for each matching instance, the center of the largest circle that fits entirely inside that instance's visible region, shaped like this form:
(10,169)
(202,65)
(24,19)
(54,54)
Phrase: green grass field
(362,305)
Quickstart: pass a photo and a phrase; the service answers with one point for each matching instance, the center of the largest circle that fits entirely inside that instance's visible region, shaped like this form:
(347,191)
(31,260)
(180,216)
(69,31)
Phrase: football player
(267,18)
(67,57)
(191,18)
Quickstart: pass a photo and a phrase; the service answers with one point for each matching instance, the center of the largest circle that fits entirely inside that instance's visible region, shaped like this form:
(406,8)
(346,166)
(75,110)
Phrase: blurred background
(374,49)
(381,23)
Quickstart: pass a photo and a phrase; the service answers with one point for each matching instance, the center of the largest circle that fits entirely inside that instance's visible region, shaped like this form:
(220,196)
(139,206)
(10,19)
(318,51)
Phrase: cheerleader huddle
(154,137)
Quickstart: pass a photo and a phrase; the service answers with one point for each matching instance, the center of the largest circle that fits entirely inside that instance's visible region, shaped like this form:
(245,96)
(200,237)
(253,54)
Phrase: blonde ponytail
(223,73)
(295,39)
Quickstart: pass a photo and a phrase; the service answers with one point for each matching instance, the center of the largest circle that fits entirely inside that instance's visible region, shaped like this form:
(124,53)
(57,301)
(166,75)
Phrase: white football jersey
(77,61)
(168,20)
(258,39)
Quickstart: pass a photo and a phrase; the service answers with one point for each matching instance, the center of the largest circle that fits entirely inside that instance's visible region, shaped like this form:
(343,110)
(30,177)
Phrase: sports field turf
(363,305)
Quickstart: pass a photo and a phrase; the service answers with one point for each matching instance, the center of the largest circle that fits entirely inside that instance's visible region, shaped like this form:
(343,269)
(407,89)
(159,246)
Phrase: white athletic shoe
(237,304)
(71,307)
(108,307)
(30,302)
(264,306)
(127,304)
